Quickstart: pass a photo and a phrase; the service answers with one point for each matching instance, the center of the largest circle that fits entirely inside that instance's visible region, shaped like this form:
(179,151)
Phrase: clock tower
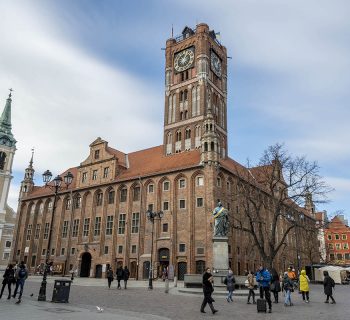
(195,114)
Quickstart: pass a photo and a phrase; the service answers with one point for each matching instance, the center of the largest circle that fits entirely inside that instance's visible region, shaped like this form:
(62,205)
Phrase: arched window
(188,133)
(178,136)
(185,95)
(2,160)
(169,138)
(170,108)
(194,102)
(77,202)
(174,108)
(181,96)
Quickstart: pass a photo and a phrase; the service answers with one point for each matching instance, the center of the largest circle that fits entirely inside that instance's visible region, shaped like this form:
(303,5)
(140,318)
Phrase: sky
(85,69)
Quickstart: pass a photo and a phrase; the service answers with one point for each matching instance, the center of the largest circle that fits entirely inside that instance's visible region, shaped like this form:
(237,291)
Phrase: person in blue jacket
(263,277)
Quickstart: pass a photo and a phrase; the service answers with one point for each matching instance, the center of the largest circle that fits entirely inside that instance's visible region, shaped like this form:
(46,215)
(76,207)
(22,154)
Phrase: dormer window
(97,154)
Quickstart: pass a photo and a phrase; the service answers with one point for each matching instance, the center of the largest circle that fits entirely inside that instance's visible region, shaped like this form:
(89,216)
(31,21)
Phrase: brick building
(101,217)
(337,239)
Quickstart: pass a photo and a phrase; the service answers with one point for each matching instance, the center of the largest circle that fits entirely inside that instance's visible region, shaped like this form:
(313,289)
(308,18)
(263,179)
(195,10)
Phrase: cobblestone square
(137,302)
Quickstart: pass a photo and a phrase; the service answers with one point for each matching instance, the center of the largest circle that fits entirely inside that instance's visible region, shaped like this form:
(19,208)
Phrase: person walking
(119,274)
(250,286)
(230,285)
(328,285)
(110,276)
(275,284)
(126,275)
(304,285)
(9,279)
(288,288)
(207,291)
(20,276)
(263,277)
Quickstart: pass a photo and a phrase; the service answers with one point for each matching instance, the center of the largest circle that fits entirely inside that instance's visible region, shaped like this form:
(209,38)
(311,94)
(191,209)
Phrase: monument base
(220,260)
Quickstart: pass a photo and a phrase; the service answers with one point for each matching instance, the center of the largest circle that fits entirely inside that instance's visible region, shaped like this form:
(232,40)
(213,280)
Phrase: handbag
(272,286)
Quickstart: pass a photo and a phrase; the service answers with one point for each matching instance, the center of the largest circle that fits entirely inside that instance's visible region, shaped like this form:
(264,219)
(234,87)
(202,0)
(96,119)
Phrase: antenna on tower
(172,30)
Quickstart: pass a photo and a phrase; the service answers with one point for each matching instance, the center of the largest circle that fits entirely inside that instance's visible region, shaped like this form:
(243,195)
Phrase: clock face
(215,64)
(183,60)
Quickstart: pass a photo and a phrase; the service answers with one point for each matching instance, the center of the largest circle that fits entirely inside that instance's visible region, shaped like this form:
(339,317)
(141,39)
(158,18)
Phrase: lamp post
(55,186)
(151,217)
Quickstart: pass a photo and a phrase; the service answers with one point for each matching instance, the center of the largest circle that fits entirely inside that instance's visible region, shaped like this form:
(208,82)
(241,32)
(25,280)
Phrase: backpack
(22,273)
(332,283)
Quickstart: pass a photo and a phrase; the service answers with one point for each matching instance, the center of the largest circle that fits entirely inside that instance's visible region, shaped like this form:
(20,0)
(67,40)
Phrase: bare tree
(274,198)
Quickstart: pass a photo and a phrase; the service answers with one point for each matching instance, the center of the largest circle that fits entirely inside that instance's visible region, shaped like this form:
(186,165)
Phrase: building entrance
(163,257)
(85,265)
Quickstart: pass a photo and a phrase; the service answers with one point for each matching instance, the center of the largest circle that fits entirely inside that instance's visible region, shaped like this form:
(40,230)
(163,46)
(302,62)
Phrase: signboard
(26,249)
(104,267)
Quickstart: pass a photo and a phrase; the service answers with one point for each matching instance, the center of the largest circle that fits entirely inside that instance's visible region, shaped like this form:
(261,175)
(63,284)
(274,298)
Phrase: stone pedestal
(220,260)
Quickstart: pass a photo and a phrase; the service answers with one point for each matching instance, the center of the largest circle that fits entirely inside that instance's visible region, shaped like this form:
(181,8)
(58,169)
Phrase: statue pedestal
(220,260)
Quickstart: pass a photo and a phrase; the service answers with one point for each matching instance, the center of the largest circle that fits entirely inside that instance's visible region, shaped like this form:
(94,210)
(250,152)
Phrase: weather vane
(10,92)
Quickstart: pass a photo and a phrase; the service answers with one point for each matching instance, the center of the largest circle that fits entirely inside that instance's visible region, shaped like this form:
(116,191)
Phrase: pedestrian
(126,275)
(288,288)
(230,285)
(110,276)
(304,285)
(208,289)
(119,274)
(275,286)
(20,276)
(263,277)
(328,285)
(251,286)
(9,279)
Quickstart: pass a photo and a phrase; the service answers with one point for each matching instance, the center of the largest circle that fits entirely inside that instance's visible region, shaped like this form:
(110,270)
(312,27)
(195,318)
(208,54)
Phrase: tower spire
(6,136)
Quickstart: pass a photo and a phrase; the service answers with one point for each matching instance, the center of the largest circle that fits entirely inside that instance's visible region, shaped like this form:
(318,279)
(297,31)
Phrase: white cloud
(64,99)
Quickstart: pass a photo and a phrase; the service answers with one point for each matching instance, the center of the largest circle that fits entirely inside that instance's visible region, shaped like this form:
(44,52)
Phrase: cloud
(64,98)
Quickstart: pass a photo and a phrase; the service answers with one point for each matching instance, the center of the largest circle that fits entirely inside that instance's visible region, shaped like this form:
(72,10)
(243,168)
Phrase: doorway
(98,272)
(85,265)
(181,270)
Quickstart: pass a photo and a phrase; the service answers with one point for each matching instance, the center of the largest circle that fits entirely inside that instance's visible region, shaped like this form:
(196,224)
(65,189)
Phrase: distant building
(7,215)
(337,238)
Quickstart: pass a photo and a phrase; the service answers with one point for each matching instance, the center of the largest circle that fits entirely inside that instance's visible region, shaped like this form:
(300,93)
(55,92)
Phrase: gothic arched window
(2,160)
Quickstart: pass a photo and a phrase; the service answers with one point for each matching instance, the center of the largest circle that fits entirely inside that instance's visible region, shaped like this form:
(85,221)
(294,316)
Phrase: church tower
(196,94)
(7,152)
(28,183)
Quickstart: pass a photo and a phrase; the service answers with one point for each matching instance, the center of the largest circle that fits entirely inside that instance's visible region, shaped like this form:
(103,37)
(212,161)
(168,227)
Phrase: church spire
(6,136)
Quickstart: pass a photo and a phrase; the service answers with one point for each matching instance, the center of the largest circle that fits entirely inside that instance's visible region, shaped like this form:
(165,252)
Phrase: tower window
(2,160)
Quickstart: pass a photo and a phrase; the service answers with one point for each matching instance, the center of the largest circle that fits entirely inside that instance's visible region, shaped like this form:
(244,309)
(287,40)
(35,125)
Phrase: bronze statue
(221,221)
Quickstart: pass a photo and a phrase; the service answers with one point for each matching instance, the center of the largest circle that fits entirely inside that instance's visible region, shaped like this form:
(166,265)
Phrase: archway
(85,265)
(163,257)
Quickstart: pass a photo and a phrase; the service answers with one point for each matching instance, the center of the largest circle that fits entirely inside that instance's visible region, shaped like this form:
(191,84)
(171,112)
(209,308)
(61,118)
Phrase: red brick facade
(101,219)
(337,238)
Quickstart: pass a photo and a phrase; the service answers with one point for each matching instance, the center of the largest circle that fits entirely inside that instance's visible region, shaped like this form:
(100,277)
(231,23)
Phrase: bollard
(175,281)
(166,286)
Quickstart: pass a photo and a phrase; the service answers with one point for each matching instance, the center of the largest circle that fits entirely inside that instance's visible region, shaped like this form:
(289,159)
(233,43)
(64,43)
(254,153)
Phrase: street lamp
(55,186)
(151,217)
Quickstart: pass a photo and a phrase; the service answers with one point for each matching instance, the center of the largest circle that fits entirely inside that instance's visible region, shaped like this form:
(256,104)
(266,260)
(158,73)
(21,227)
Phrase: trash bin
(61,291)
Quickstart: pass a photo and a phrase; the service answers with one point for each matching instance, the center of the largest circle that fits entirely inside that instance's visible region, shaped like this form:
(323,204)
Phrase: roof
(43,191)
(141,163)
(153,161)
